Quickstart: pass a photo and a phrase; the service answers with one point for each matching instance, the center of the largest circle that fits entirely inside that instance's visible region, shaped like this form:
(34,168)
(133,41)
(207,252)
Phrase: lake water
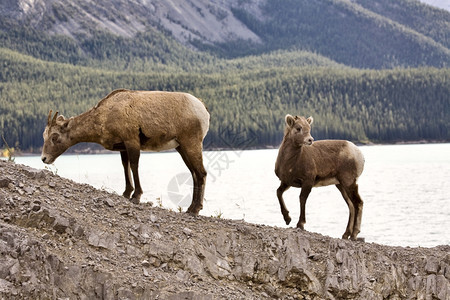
(405,188)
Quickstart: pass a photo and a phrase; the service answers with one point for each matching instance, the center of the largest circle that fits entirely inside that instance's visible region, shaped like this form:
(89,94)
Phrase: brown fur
(131,121)
(305,164)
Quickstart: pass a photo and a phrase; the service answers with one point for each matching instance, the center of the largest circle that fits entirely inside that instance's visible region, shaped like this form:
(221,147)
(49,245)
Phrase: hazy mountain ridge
(428,21)
(444,4)
(360,33)
(354,35)
(211,21)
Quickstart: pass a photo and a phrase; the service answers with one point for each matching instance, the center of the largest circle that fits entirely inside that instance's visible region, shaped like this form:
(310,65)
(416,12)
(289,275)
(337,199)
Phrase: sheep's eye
(299,129)
(55,138)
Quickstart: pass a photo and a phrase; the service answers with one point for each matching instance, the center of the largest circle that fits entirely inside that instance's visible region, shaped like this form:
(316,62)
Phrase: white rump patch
(355,153)
(200,111)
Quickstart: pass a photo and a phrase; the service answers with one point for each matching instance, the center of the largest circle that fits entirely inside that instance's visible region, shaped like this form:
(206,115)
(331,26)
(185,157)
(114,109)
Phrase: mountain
(360,33)
(368,71)
(200,19)
(444,4)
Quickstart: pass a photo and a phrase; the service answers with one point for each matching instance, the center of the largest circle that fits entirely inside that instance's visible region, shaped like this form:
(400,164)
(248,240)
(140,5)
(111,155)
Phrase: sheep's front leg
(133,156)
(306,189)
(126,167)
(283,187)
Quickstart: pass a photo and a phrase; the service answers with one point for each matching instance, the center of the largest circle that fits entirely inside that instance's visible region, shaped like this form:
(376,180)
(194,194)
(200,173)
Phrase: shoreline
(88,149)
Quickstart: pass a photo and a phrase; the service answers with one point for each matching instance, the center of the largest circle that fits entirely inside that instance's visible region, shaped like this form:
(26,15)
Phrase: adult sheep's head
(56,137)
(298,130)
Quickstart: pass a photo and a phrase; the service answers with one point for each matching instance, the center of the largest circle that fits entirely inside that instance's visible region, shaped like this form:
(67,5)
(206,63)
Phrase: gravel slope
(64,240)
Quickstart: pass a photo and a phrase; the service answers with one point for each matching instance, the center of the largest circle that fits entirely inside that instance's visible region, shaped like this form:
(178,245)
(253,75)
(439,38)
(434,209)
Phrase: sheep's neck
(287,154)
(84,129)
(290,150)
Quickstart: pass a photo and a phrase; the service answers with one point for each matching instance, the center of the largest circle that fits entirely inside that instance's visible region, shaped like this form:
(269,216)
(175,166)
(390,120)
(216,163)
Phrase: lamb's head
(298,130)
(56,137)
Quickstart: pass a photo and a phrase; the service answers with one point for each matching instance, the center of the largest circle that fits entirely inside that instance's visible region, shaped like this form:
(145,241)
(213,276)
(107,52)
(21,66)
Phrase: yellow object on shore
(7,152)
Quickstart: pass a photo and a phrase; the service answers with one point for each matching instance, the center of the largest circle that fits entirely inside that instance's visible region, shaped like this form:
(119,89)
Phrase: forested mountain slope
(422,19)
(354,35)
(247,107)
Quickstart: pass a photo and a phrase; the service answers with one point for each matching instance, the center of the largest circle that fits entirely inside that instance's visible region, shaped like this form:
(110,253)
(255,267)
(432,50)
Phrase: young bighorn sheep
(130,121)
(304,164)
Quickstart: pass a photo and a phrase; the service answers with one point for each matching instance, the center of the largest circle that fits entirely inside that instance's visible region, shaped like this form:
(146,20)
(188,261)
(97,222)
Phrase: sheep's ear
(290,121)
(68,122)
(60,118)
(310,120)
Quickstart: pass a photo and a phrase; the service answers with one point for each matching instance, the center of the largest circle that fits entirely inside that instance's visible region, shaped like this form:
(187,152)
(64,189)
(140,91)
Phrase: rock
(431,266)
(182,275)
(153,218)
(187,231)
(108,202)
(340,256)
(33,173)
(103,239)
(36,206)
(5,286)
(218,268)
(4,182)
(61,224)
(442,287)
(190,296)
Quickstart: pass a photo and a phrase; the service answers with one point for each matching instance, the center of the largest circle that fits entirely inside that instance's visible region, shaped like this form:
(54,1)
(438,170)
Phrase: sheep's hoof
(354,238)
(135,200)
(127,192)
(301,226)
(193,210)
(287,220)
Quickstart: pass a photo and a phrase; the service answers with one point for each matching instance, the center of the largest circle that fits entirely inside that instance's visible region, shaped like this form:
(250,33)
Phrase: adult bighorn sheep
(304,164)
(130,121)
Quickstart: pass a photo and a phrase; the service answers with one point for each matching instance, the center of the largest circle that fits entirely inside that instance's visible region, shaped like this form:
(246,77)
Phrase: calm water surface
(405,188)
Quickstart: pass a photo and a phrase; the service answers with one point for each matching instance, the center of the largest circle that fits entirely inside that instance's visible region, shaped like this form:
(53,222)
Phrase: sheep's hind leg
(358,204)
(193,158)
(349,230)
(133,156)
(284,211)
(126,167)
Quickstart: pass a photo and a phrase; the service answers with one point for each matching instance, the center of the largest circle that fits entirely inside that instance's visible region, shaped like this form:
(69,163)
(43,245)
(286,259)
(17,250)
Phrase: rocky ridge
(214,20)
(64,240)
